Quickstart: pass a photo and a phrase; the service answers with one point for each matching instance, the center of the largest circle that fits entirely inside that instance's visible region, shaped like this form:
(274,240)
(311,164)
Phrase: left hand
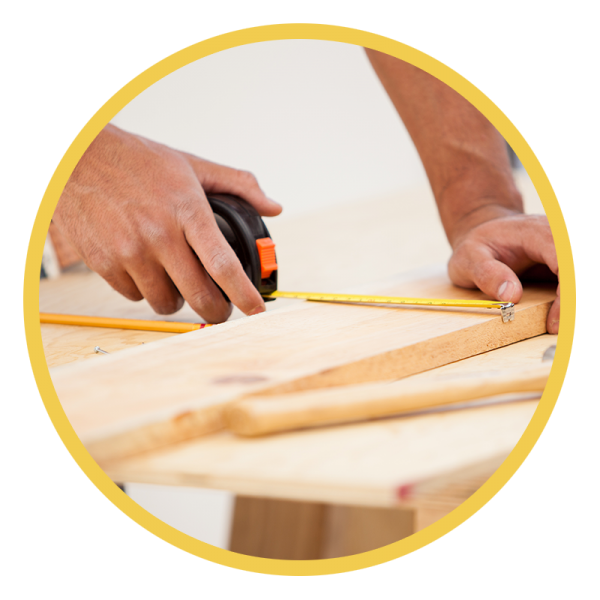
(492,255)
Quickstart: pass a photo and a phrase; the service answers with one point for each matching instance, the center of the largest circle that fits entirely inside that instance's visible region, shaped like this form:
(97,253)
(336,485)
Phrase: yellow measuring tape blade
(507,308)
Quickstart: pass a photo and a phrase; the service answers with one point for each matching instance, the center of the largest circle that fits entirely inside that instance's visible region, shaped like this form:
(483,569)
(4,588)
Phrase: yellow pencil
(165,326)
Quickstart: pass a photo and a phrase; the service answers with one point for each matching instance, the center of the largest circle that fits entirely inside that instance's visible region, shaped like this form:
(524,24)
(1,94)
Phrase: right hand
(493,254)
(137,213)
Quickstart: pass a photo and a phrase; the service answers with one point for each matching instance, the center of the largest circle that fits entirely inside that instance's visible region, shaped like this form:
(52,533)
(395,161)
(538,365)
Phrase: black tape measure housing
(241,226)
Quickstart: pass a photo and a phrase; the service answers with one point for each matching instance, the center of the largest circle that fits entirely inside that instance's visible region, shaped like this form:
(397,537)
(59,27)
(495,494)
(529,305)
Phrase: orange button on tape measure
(266,252)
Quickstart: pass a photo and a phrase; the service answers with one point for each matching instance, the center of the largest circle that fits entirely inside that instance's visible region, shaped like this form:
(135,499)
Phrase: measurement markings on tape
(507,309)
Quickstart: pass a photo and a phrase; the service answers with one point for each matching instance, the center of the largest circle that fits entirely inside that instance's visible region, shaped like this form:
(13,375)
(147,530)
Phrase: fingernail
(274,201)
(506,291)
(260,308)
(553,326)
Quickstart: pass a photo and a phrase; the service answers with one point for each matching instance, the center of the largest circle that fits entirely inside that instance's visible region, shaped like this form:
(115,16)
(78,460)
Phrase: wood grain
(386,462)
(176,388)
(367,464)
(65,344)
(79,291)
(270,414)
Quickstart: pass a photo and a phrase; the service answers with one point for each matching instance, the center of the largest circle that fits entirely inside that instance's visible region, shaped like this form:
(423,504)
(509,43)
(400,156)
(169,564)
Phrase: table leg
(289,530)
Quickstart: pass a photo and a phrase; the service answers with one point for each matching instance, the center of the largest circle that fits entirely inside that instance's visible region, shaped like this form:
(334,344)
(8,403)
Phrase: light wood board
(419,460)
(79,291)
(410,460)
(347,403)
(175,389)
(65,344)
(368,464)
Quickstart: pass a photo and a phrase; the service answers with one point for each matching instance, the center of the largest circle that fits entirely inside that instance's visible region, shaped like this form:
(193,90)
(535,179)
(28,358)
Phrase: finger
(198,289)
(474,265)
(538,242)
(554,314)
(218,258)
(225,180)
(136,276)
(156,286)
(523,242)
(116,277)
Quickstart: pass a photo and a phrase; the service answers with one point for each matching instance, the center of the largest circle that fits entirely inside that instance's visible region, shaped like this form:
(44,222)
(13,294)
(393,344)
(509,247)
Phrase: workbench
(329,491)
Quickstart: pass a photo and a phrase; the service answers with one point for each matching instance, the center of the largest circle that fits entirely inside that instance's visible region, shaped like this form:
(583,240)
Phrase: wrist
(469,201)
(488,209)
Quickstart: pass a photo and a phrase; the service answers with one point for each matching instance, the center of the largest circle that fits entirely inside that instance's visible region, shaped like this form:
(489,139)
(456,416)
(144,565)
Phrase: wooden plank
(378,463)
(366,464)
(79,291)
(65,344)
(271,414)
(176,388)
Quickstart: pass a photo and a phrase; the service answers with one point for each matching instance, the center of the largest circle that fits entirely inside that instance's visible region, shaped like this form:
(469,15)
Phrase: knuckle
(484,271)
(100,262)
(221,265)
(248,179)
(221,317)
(211,307)
(157,235)
(129,251)
(114,277)
(462,255)
(187,210)
(201,299)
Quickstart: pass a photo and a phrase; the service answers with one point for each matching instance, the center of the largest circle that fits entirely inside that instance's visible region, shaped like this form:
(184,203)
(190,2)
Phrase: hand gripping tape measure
(249,237)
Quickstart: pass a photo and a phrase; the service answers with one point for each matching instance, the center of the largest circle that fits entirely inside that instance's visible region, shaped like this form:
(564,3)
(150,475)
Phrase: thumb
(475,266)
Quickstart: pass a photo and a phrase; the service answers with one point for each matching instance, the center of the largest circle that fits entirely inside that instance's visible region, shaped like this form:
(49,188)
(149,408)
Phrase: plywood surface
(175,389)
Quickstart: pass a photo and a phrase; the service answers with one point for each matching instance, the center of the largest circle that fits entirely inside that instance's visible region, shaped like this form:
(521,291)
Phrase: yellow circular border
(251,36)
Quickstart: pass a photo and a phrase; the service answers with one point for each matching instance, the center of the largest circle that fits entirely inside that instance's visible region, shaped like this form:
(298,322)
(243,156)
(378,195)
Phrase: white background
(308,117)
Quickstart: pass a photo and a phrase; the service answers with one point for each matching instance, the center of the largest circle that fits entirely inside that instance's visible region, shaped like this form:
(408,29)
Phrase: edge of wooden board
(395,364)
(448,348)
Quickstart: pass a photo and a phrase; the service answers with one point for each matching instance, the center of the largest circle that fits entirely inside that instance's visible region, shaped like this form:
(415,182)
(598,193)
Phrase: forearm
(465,157)
(467,163)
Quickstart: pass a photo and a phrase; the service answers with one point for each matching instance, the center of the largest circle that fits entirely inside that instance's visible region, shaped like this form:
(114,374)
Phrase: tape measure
(249,237)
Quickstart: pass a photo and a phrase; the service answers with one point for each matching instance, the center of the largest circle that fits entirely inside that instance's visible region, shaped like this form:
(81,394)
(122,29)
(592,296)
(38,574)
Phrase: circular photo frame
(298,32)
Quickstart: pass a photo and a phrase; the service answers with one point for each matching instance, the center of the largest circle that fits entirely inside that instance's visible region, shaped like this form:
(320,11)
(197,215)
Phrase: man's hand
(492,255)
(137,213)
(467,164)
